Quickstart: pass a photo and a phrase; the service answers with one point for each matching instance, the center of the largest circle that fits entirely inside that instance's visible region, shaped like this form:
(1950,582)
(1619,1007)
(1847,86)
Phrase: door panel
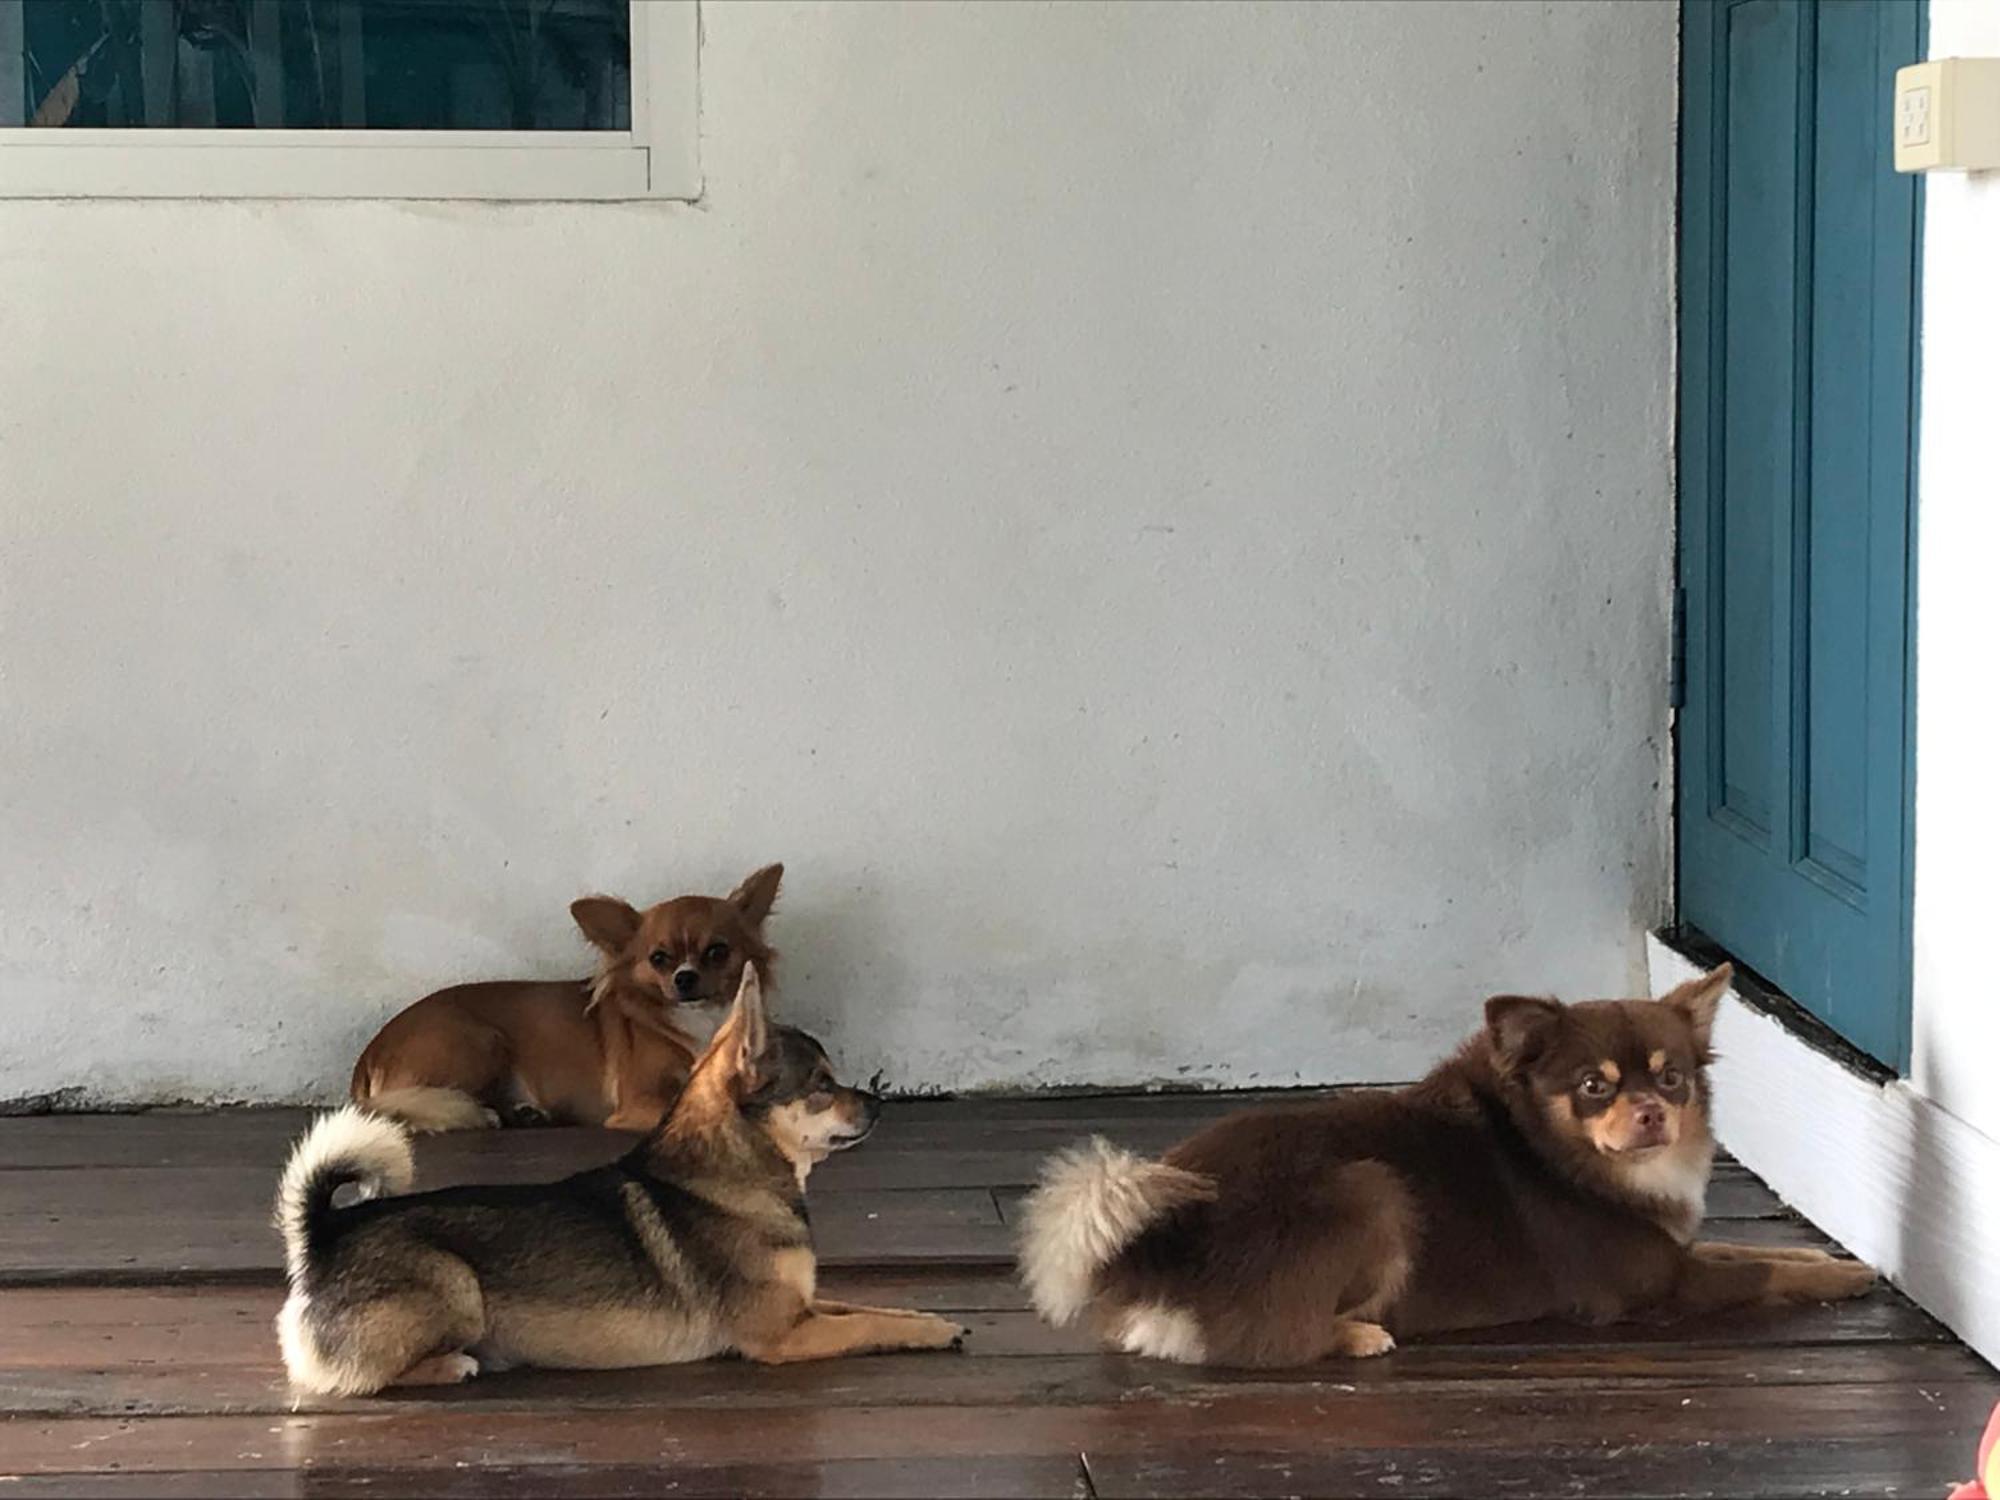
(1798,266)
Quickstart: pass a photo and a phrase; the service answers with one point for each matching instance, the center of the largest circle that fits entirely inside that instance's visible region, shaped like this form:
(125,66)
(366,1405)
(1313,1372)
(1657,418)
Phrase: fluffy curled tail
(1093,1201)
(349,1145)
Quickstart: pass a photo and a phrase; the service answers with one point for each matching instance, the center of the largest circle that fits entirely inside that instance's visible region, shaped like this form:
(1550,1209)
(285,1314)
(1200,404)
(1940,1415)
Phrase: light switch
(1948,115)
(1913,117)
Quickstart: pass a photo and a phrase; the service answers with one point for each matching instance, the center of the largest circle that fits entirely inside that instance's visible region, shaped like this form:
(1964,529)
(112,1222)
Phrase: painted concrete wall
(1159,515)
(1956,1020)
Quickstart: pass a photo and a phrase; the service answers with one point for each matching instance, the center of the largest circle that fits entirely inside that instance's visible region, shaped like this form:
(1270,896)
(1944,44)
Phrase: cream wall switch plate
(1947,116)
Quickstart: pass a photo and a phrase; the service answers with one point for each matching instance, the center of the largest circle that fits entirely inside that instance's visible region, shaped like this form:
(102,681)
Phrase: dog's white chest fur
(700,1021)
(1678,1178)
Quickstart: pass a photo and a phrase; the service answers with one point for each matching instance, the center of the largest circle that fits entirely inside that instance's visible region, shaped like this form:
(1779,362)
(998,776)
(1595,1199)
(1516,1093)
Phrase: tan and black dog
(694,1244)
(1555,1167)
(610,1050)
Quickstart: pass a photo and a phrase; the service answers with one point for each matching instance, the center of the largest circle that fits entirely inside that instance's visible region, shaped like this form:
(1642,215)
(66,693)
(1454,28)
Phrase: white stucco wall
(1159,515)
(1956,1019)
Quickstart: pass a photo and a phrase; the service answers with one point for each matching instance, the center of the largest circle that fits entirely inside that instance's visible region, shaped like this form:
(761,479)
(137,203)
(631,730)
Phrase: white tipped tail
(1093,1201)
(349,1145)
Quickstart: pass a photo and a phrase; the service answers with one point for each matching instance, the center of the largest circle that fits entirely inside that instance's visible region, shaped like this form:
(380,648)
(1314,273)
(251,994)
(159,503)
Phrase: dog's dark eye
(1670,1077)
(661,959)
(1594,1087)
(819,1099)
(715,953)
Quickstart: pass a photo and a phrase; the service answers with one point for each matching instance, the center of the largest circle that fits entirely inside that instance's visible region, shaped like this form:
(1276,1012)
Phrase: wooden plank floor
(139,1277)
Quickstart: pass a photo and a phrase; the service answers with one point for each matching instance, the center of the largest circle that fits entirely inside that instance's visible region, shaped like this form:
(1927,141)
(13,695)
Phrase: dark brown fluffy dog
(611,1050)
(1555,1167)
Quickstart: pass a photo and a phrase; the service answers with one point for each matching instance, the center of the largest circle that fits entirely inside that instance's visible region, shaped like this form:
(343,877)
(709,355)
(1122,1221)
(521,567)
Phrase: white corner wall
(1956,1015)
(1160,515)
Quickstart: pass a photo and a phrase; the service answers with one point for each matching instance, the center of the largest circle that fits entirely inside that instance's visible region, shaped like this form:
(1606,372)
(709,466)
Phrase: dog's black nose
(685,980)
(871,1105)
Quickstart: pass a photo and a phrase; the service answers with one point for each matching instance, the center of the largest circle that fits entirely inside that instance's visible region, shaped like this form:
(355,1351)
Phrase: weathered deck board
(1307,1422)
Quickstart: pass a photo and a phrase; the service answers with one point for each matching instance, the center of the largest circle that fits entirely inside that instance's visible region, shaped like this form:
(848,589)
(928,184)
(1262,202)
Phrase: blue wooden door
(1797,279)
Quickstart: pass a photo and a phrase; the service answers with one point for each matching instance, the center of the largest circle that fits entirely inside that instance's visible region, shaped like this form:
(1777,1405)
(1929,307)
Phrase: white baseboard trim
(1905,1185)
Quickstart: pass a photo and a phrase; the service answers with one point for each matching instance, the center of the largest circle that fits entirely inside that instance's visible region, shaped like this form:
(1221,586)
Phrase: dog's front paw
(1826,1281)
(933,1332)
(1847,1278)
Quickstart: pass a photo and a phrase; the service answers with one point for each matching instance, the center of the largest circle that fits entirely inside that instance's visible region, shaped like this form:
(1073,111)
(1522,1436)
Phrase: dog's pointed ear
(606,921)
(749,1029)
(1698,999)
(1519,1028)
(758,893)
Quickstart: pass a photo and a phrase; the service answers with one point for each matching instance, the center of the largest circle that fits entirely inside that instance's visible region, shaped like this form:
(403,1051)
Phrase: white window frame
(656,158)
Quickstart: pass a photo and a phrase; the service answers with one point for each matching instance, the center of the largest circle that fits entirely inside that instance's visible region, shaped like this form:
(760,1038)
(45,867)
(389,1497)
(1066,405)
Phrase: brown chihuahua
(611,1050)
(1555,1167)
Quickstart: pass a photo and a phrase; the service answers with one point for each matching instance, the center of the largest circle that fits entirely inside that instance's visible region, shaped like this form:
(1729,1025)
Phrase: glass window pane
(317,64)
